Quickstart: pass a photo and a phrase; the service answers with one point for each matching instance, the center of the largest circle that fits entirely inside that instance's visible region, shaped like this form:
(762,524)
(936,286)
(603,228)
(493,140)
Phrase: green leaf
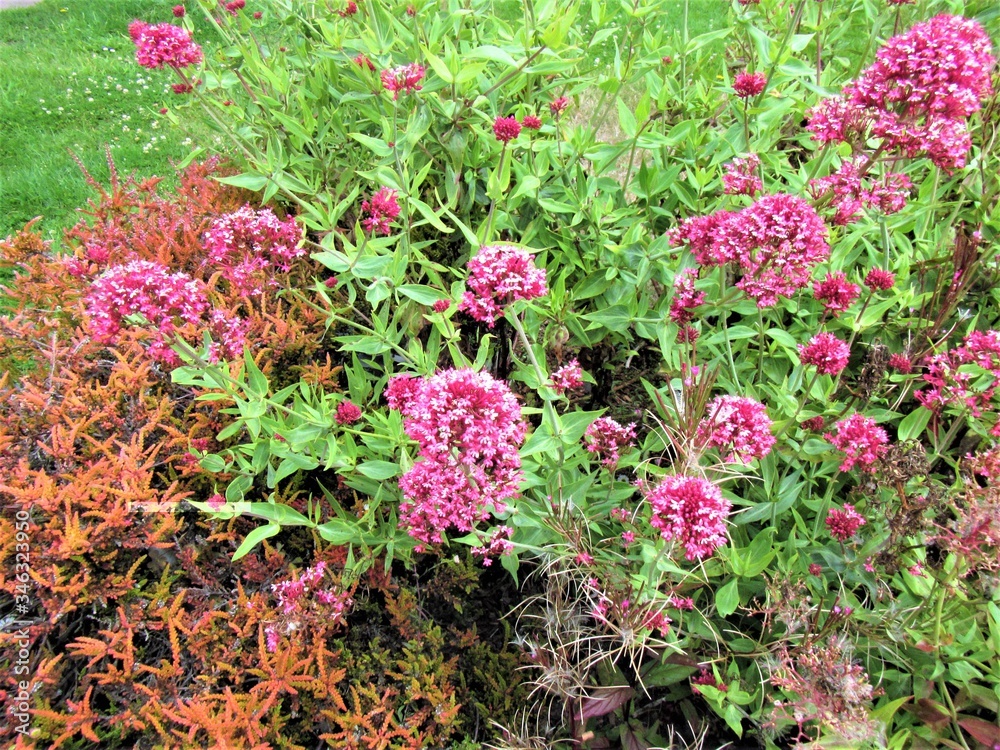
(255,182)
(276,513)
(378,469)
(213,463)
(914,423)
(376,145)
(255,537)
(424,295)
(727,599)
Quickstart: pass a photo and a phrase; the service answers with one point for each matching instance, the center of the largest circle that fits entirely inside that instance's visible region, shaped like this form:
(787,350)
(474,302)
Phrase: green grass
(69,81)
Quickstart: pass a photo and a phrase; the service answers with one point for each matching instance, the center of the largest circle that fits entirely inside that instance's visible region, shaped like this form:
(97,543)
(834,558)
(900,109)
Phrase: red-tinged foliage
(144,631)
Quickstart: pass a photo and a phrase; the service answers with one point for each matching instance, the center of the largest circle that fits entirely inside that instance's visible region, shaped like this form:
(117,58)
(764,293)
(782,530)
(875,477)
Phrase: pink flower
(953,384)
(686,297)
(250,245)
(382,210)
(861,439)
(164,300)
(849,191)
(741,176)
(179,11)
(531,122)
(348,413)
(737,426)
(607,438)
(843,524)
(836,292)
(879,280)
(163,45)
(568,377)
(506,129)
(348,10)
(827,352)
(556,106)
(499,544)
(748,85)
(689,510)
(404,79)
(469,428)
(776,242)
(498,275)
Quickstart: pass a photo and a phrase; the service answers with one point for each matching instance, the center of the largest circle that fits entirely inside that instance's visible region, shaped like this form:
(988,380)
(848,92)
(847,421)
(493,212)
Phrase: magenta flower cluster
(862,441)
(403,79)
(828,353)
(748,85)
(691,511)
(836,292)
(952,384)
(843,524)
(849,191)
(568,377)
(776,243)
(163,44)
(167,301)
(607,438)
(916,95)
(469,428)
(498,545)
(498,275)
(686,297)
(738,427)
(506,129)
(742,176)
(304,596)
(381,209)
(249,245)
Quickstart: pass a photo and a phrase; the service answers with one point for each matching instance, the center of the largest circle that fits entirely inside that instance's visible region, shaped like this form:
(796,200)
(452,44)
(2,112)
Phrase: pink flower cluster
(404,79)
(827,352)
(776,242)
(849,191)
(167,301)
(748,85)
(498,545)
(741,176)
(568,377)
(163,44)
(248,245)
(916,95)
(879,280)
(843,524)
(951,384)
(469,428)
(861,439)
(737,426)
(607,438)
(347,412)
(506,129)
(686,297)
(836,292)
(498,275)
(690,510)
(303,597)
(382,210)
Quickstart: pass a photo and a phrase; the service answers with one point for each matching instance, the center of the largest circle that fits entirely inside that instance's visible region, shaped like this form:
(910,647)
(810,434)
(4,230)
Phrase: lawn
(69,83)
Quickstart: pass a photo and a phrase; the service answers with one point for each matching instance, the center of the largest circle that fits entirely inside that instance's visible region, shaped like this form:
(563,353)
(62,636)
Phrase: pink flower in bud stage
(836,292)
(739,427)
(901,363)
(441,305)
(686,297)
(348,10)
(568,377)
(362,61)
(404,79)
(815,569)
(531,122)
(235,6)
(813,424)
(163,44)
(179,11)
(879,280)
(181,88)
(382,210)
(748,85)
(607,438)
(556,106)
(506,129)
(498,275)
(691,511)
(843,524)
(861,439)
(348,412)
(469,428)
(741,176)
(688,335)
(249,245)
(827,352)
